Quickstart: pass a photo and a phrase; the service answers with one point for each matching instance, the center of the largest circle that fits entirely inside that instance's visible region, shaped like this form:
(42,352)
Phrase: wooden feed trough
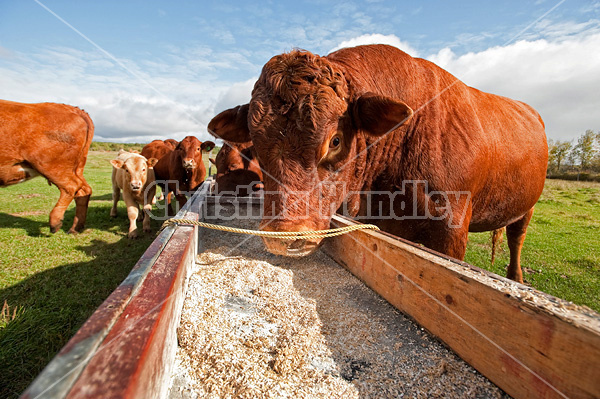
(529,344)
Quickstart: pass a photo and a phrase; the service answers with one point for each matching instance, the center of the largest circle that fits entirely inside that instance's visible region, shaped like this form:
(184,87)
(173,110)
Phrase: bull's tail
(86,189)
(90,130)
(496,241)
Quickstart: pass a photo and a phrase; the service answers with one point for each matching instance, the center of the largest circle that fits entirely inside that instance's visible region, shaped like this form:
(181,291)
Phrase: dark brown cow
(182,170)
(172,143)
(343,125)
(157,149)
(238,171)
(51,140)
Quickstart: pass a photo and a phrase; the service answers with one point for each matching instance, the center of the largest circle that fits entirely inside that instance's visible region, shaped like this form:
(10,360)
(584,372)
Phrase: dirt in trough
(256,325)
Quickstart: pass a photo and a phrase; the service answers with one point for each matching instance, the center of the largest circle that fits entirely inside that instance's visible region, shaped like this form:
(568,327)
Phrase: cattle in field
(134,174)
(156,149)
(49,140)
(393,140)
(182,170)
(238,170)
(172,143)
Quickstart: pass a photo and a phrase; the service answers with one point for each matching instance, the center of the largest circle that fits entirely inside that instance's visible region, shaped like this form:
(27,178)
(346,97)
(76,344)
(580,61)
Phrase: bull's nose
(136,186)
(291,247)
(189,164)
(294,247)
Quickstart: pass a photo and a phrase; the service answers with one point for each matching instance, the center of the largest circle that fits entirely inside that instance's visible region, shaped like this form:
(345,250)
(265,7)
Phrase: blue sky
(150,69)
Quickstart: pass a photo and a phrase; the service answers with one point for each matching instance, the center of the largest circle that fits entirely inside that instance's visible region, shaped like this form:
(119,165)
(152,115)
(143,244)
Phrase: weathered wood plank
(528,343)
(136,357)
(59,375)
(69,367)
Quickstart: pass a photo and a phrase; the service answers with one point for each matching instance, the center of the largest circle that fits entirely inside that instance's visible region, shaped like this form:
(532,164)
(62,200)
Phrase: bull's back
(461,138)
(41,133)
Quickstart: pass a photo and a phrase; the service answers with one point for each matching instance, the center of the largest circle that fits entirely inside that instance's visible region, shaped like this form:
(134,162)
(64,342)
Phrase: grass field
(52,283)
(561,255)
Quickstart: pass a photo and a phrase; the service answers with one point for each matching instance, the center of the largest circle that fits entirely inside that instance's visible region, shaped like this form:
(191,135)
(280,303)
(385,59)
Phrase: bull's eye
(143,170)
(335,143)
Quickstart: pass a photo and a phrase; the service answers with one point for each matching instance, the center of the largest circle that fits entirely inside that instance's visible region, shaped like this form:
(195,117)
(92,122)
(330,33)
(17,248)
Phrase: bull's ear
(117,163)
(207,146)
(152,162)
(212,160)
(379,115)
(231,125)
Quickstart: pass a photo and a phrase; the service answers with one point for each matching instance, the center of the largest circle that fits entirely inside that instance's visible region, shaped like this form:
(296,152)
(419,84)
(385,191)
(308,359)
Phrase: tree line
(578,159)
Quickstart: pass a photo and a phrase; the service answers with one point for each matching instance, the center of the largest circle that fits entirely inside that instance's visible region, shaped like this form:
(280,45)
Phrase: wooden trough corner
(528,343)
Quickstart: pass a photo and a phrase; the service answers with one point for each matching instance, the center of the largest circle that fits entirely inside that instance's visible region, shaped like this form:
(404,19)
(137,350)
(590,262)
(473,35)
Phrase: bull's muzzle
(189,164)
(136,186)
(293,247)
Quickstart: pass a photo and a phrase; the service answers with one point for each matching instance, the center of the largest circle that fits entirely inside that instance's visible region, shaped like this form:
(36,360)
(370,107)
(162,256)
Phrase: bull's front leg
(449,216)
(149,195)
(147,215)
(181,199)
(132,214)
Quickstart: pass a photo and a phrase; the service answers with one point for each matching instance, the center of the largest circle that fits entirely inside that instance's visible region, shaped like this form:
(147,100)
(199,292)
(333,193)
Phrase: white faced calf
(133,174)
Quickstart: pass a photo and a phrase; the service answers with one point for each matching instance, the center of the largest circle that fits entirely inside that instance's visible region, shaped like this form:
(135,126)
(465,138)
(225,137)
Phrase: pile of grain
(256,325)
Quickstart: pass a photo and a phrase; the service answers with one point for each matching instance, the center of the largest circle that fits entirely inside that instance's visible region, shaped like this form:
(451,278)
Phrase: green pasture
(561,255)
(50,284)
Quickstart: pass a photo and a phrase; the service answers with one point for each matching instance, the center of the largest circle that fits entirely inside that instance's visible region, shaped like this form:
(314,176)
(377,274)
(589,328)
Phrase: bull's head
(136,169)
(238,170)
(312,134)
(190,150)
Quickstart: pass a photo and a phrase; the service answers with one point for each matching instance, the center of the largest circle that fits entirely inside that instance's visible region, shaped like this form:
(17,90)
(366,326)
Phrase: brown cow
(157,149)
(182,170)
(51,140)
(172,143)
(133,174)
(238,171)
(343,126)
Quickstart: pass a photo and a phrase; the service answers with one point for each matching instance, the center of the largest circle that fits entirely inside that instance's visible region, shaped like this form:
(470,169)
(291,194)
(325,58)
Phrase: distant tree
(596,161)
(585,150)
(558,151)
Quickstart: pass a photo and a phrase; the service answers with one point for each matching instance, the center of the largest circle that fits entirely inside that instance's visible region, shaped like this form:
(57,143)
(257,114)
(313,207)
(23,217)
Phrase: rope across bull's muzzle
(306,235)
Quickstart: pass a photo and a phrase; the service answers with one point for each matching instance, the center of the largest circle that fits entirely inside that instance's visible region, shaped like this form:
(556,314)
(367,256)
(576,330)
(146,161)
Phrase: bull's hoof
(76,229)
(113,214)
(132,235)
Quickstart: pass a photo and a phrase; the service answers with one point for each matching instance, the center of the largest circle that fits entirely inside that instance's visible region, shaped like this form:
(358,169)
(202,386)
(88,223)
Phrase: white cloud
(170,100)
(377,38)
(236,94)
(559,78)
